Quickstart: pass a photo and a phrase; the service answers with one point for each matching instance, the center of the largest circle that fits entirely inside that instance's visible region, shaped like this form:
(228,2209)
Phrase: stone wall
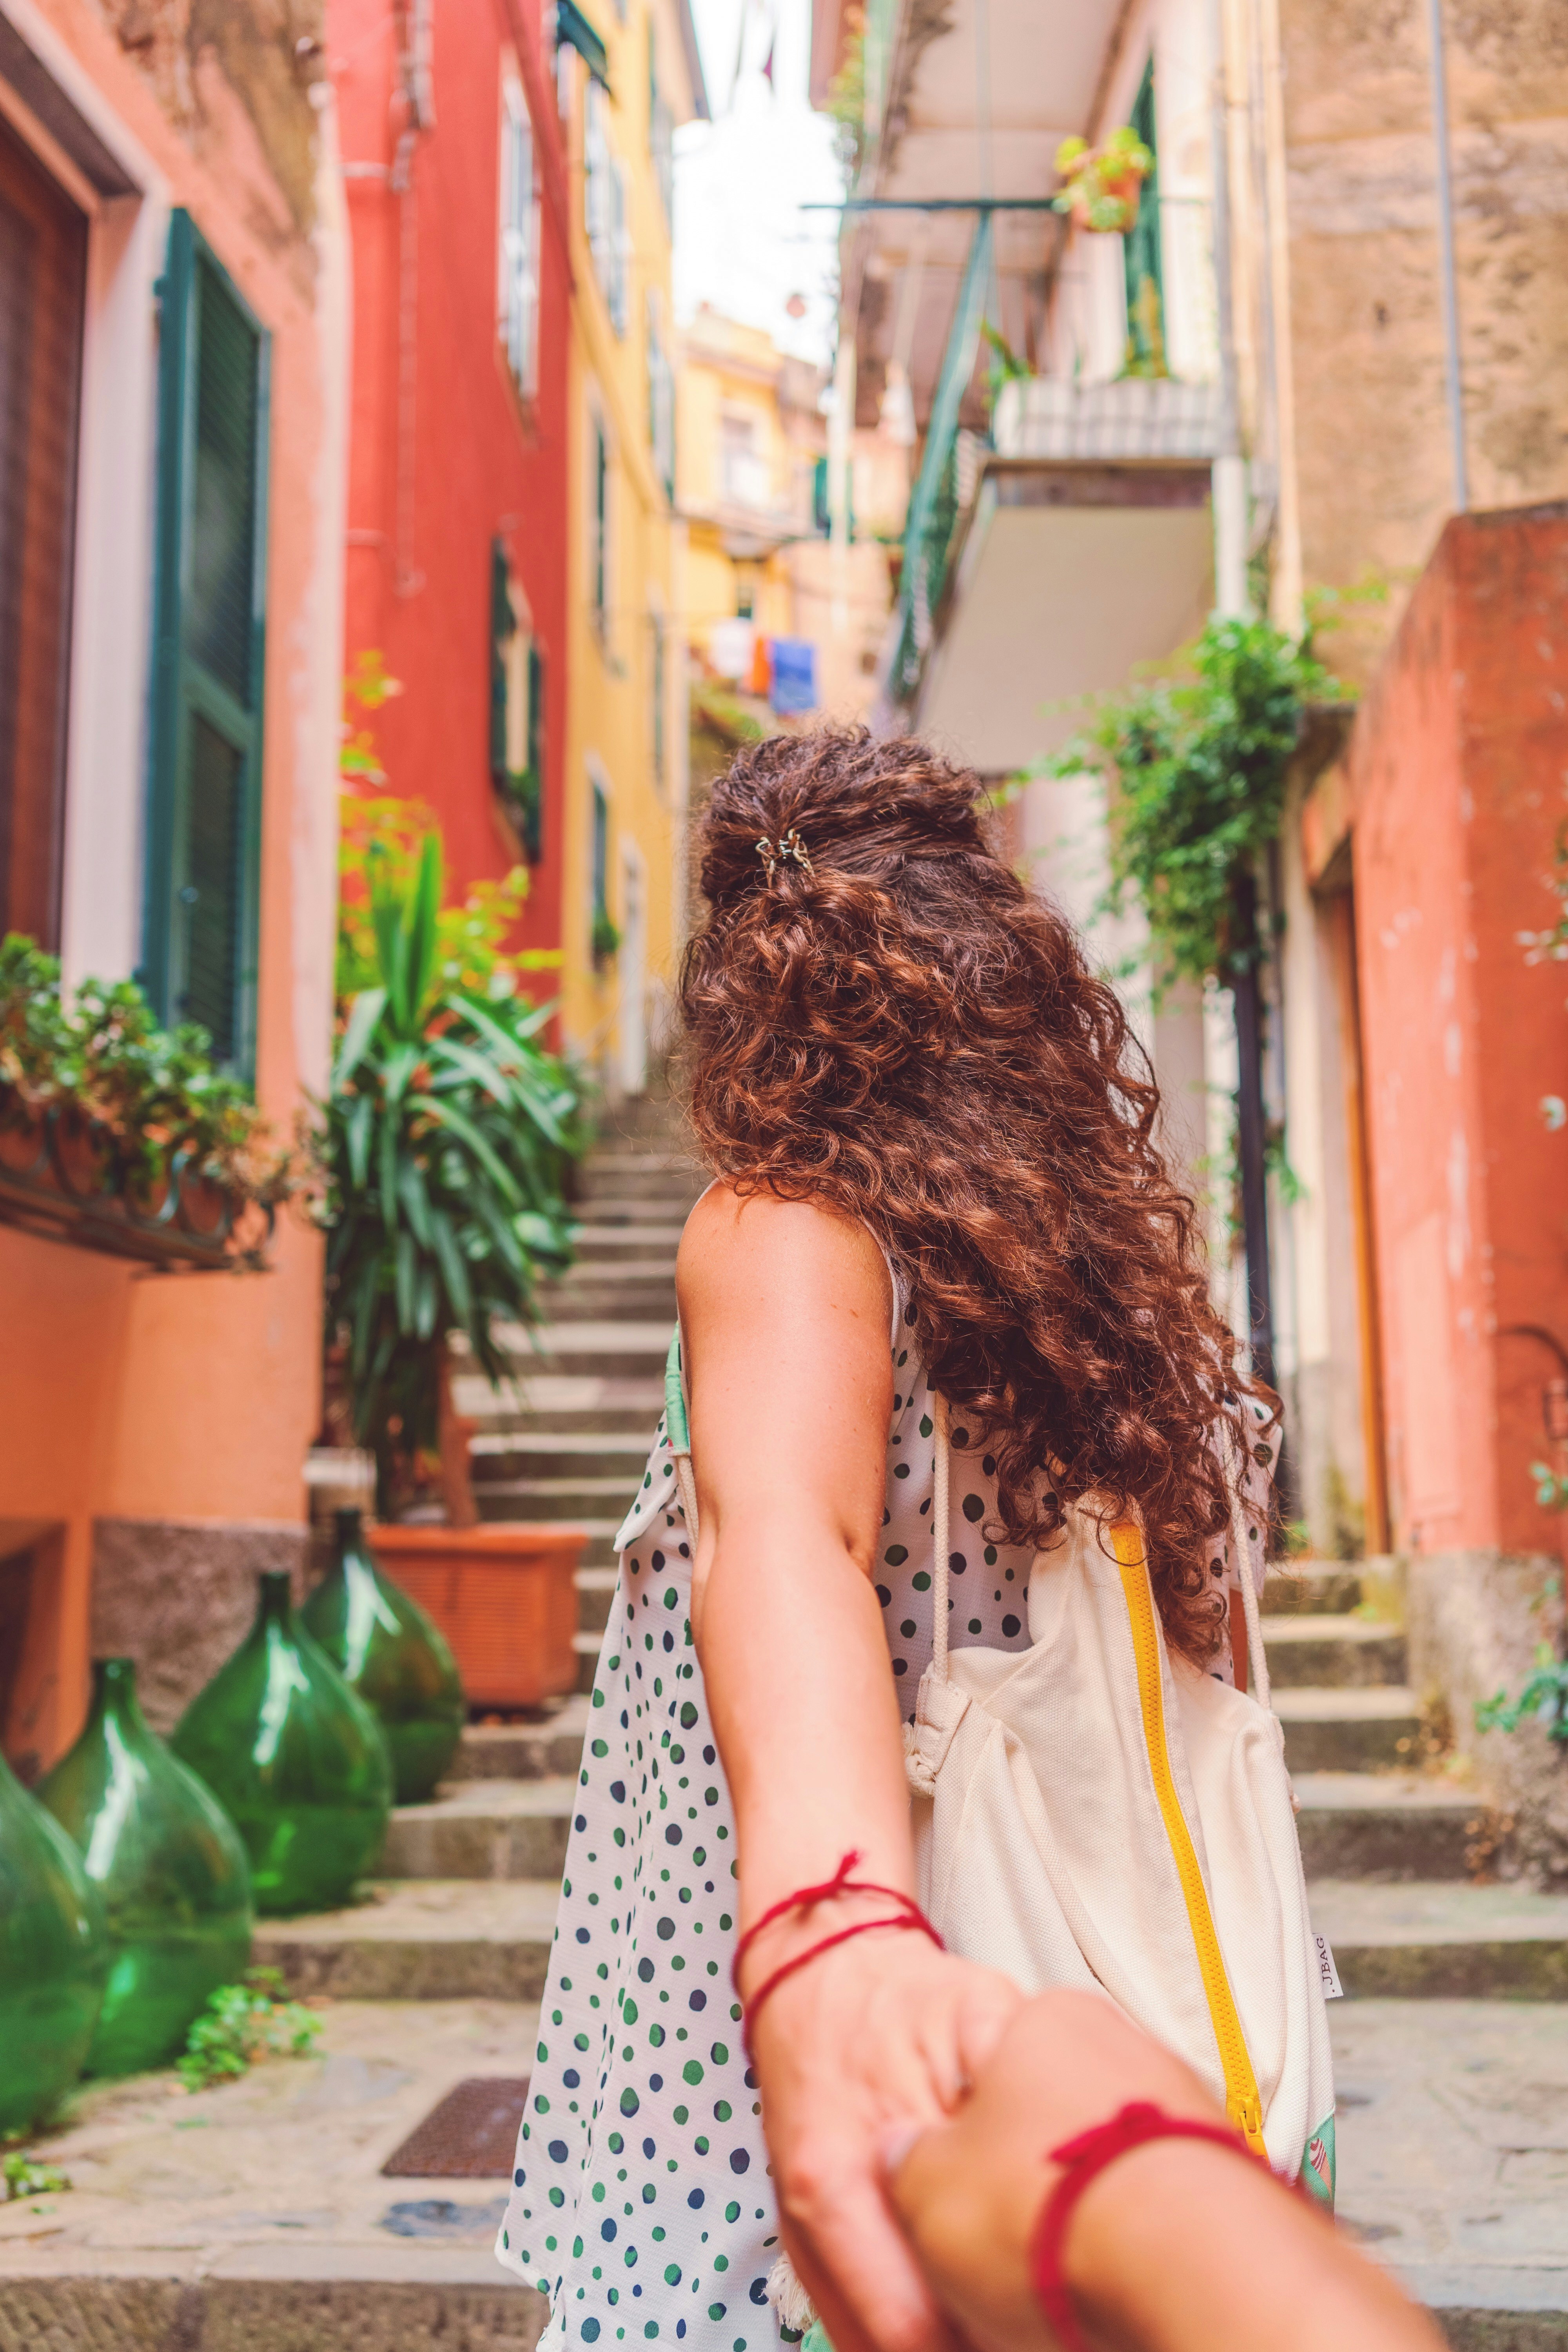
(1474,1620)
(1367,327)
(178,1596)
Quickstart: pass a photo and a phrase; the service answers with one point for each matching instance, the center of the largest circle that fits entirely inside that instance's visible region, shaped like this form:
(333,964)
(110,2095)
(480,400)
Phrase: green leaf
(414,1199)
(454,1273)
(407,1266)
(364,1014)
(423,910)
(359,1125)
(448,1115)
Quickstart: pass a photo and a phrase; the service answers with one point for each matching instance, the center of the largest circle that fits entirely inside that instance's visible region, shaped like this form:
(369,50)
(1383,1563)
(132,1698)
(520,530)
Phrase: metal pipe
(1251,1129)
(1456,387)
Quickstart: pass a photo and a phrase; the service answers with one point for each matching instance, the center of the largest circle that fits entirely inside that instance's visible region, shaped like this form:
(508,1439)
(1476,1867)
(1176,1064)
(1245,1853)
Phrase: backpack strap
(677,1429)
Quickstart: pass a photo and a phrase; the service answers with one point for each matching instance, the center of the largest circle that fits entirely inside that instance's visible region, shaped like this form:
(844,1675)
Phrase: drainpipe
(1247,997)
(1456,388)
(1229,475)
(1233,602)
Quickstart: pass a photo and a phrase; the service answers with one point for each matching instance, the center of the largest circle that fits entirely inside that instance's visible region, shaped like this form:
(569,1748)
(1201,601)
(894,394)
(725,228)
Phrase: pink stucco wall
(1459,771)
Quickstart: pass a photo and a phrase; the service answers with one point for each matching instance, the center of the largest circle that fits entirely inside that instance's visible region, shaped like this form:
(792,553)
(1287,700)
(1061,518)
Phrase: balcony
(1053,419)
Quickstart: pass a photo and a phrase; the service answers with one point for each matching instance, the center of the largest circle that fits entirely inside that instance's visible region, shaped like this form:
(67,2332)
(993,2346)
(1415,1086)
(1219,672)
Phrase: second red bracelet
(806,1899)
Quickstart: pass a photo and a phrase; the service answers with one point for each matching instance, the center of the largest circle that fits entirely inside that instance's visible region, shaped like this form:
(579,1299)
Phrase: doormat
(470,2136)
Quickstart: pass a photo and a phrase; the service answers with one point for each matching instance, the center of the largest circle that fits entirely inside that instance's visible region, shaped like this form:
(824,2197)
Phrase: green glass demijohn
(295,1759)
(54,1958)
(169,1867)
(385,1645)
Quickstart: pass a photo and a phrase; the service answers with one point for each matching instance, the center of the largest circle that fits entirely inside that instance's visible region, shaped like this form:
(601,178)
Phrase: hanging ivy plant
(1197,766)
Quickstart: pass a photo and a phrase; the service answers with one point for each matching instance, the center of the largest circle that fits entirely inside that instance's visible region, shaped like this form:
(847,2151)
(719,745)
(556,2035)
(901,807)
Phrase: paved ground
(244,2215)
(1453,2149)
(1453,2140)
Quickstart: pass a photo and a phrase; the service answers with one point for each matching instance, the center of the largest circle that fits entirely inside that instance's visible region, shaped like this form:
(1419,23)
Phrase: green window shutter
(533,831)
(1142,254)
(202,895)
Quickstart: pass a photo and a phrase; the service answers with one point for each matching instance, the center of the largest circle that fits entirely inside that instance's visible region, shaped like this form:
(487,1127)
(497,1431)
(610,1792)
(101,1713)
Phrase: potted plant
(449,1130)
(1101,186)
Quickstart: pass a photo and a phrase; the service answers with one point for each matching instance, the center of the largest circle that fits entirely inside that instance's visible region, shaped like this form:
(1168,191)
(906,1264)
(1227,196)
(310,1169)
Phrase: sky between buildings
(743,242)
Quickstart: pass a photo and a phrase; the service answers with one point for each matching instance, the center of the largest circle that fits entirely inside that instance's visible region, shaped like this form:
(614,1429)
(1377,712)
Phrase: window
(661,397)
(742,470)
(605,206)
(517,710)
(518,304)
(599,527)
(603,935)
(199,954)
(661,132)
(656,713)
(1141,253)
(43,254)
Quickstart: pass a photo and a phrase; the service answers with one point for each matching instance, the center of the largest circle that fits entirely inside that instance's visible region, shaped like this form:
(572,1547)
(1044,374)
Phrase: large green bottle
(170,1868)
(385,1645)
(54,1958)
(295,1759)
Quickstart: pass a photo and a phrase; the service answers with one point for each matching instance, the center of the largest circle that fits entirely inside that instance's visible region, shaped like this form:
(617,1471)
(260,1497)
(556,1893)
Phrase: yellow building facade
(761,562)
(627,77)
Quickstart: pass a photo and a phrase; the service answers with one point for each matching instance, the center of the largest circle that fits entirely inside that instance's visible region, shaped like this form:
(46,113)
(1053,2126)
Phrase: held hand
(870,2043)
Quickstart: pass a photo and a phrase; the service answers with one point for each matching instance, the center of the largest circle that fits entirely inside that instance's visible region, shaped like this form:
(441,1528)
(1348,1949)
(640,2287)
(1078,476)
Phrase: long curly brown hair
(901,1030)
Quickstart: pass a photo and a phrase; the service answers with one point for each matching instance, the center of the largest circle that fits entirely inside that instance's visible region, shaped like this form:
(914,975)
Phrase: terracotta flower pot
(504,1595)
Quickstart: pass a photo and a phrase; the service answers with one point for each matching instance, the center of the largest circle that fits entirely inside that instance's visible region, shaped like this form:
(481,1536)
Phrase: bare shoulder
(774,1255)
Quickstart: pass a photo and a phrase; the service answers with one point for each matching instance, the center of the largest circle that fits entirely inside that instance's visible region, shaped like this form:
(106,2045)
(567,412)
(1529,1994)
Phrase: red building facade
(457,500)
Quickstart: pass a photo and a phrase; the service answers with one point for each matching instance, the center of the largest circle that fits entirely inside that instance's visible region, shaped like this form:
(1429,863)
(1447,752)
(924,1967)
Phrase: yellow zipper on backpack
(1242,2101)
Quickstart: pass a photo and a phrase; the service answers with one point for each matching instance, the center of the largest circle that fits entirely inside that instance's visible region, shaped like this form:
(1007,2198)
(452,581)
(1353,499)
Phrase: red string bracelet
(805,1900)
(1084,2159)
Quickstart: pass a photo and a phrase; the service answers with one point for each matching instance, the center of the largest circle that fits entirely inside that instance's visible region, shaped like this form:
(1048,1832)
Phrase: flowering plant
(1100,186)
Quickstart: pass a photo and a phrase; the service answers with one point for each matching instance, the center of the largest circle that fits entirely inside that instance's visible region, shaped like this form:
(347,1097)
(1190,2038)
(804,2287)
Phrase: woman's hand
(872,2042)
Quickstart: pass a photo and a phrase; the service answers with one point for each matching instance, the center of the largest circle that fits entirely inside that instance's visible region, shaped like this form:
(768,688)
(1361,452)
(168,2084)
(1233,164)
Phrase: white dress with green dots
(641,2202)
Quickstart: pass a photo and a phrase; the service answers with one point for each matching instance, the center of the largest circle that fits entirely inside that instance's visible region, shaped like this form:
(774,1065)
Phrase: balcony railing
(1055,418)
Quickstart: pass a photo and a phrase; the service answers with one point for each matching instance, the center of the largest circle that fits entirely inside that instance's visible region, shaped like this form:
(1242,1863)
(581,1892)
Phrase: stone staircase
(464,1904)
(465,1896)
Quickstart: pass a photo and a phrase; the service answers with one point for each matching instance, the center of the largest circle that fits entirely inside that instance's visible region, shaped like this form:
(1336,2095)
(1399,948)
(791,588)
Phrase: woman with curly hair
(929,1121)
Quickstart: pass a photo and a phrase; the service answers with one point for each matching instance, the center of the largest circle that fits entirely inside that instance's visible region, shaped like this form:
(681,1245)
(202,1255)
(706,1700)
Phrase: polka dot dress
(641,2202)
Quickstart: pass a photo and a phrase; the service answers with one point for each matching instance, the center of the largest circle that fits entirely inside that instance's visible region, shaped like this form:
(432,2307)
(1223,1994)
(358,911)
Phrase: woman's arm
(785,1311)
(1175,2247)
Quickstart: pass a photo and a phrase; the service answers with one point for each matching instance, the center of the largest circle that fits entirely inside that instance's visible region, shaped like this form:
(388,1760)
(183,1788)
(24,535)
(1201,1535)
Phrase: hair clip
(788,844)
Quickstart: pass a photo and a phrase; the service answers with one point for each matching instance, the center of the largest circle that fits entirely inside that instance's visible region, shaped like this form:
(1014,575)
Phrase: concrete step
(572,1402)
(626,1289)
(622,1208)
(421,1939)
(587,1645)
(497,1503)
(1328,1731)
(608,1246)
(623,1348)
(1388,1825)
(1332,1650)
(547,1454)
(1432,1940)
(595,1590)
(524,1751)
(1311,1587)
(482,1829)
(625,1177)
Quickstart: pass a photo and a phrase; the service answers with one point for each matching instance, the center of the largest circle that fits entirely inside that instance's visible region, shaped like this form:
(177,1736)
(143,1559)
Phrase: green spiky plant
(449,1128)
